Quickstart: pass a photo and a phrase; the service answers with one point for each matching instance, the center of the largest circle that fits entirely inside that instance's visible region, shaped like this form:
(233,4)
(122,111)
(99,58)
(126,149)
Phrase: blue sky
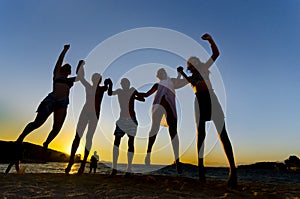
(259,65)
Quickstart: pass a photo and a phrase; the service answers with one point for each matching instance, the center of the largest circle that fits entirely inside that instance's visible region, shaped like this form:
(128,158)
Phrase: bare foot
(232,181)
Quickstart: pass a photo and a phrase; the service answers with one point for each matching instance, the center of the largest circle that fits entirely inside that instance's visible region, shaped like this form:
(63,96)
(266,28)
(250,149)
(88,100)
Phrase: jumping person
(164,104)
(207,107)
(89,115)
(127,123)
(56,102)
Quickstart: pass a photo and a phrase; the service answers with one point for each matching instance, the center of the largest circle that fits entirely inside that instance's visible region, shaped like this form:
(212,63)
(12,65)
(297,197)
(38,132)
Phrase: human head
(66,69)
(161,74)
(96,78)
(193,63)
(125,83)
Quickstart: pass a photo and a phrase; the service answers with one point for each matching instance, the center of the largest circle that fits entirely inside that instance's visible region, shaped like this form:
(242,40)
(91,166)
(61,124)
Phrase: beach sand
(137,186)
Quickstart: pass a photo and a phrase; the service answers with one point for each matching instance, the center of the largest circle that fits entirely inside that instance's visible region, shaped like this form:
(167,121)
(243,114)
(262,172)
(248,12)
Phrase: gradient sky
(259,65)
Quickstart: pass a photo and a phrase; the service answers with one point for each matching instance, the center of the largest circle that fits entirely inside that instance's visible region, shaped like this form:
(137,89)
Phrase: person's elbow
(216,54)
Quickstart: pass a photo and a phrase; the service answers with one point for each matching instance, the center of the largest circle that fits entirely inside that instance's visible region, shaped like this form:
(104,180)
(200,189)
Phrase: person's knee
(35,124)
(130,148)
(130,143)
(88,145)
(152,139)
(173,131)
(224,136)
(117,141)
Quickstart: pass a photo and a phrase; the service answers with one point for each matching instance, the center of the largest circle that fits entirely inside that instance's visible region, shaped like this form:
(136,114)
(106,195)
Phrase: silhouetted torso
(200,82)
(126,102)
(61,86)
(94,98)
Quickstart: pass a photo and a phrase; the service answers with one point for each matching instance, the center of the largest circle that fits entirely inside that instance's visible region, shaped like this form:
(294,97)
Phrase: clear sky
(259,66)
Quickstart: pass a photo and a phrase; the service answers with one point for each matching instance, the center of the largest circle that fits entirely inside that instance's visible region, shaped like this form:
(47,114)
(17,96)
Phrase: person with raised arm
(207,108)
(56,102)
(164,106)
(89,115)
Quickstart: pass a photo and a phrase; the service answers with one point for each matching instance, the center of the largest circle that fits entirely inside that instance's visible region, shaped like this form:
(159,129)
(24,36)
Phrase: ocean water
(191,171)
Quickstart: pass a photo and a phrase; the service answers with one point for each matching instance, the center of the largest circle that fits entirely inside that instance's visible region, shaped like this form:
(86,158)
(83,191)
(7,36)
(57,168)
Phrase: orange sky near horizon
(103,146)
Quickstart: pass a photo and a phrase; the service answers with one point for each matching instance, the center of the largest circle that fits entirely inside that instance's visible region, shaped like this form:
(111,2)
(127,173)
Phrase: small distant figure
(207,108)
(164,109)
(89,115)
(94,161)
(56,102)
(127,123)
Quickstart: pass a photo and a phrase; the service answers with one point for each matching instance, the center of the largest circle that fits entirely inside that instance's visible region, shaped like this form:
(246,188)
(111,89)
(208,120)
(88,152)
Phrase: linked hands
(79,69)
(107,82)
(180,69)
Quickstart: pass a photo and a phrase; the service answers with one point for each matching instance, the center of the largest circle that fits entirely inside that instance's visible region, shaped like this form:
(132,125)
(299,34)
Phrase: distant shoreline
(33,153)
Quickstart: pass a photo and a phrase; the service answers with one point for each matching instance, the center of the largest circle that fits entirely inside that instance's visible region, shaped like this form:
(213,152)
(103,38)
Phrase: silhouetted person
(164,104)
(207,107)
(127,122)
(93,163)
(89,116)
(56,102)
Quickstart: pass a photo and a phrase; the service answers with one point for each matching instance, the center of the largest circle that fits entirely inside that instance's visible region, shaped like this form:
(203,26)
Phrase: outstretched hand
(206,36)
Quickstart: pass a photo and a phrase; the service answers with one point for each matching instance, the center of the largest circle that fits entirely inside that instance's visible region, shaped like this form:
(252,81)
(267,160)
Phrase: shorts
(128,126)
(50,104)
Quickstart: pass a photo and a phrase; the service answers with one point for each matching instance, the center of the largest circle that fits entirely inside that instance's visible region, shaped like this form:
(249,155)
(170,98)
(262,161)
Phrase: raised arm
(61,59)
(80,69)
(214,48)
(80,74)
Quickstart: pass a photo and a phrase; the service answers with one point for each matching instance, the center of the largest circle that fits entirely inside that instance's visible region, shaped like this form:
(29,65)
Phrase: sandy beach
(136,186)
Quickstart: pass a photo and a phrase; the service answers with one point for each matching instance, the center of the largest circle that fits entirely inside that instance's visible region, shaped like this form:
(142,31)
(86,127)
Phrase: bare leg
(130,153)
(172,122)
(9,167)
(92,124)
(151,141)
(17,156)
(82,166)
(200,146)
(38,121)
(156,118)
(75,145)
(115,154)
(232,182)
(59,118)
(81,125)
